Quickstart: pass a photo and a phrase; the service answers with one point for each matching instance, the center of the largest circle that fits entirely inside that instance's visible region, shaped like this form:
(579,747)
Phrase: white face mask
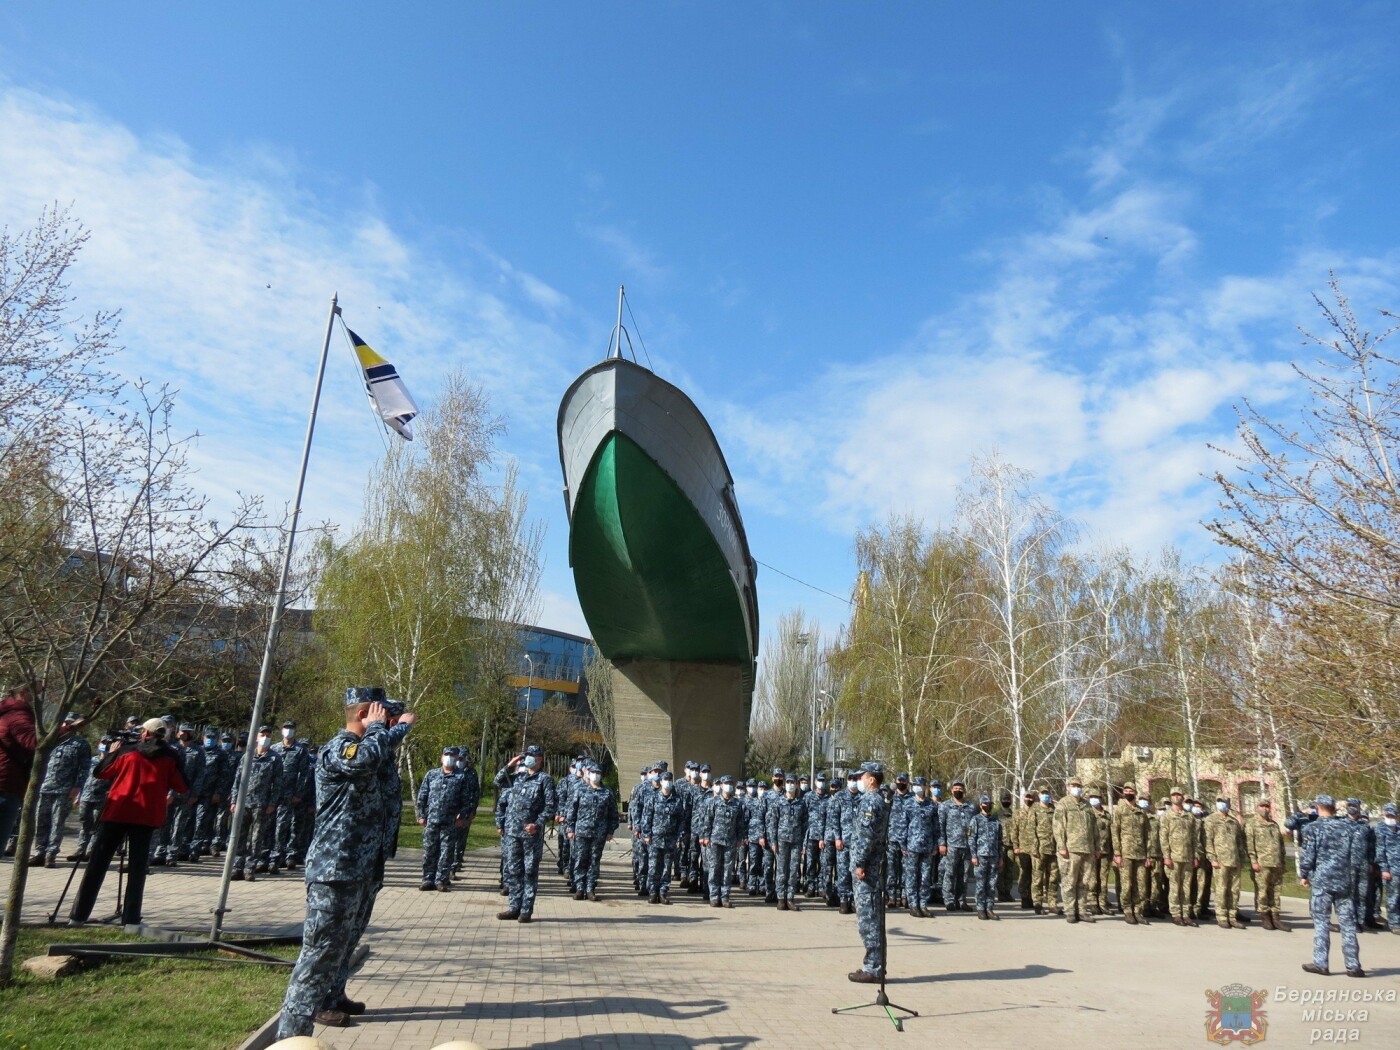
(458,763)
(714,789)
(1222,806)
(864,787)
(1076,791)
(1096,802)
(1390,822)
(727,789)
(1197,811)
(530,761)
(287,734)
(853,785)
(791,789)
(821,785)
(597,778)
(704,778)
(263,741)
(762,791)
(1144,804)
(919,790)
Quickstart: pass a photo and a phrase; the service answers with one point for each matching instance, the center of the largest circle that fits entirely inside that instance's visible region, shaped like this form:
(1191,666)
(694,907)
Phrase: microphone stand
(881,999)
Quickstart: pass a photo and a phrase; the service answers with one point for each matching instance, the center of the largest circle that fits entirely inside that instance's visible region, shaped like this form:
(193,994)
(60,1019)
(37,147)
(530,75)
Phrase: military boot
(1279,924)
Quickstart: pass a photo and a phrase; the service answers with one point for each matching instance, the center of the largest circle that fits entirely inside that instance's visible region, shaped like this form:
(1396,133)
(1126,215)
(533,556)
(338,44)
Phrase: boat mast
(620,290)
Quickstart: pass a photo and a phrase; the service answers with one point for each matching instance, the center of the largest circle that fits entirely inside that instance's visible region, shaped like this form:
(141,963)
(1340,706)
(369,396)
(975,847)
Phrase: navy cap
(187,727)
(1326,800)
(958,784)
(872,767)
(451,751)
(902,778)
(289,724)
(394,708)
(985,800)
(920,781)
(107,740)
(359,694)
(1389,809)
(751,782)
(692,764)
(662,765)
(264,729)
(70,717)
(705,768)
(536,750)
(242,738)
(133,720)
(778,772)
(853,775)
(726,779)
(376,694)
(1354,802)
(935,782)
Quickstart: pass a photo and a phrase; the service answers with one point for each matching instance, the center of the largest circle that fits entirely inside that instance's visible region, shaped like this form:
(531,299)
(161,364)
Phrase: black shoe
(862,977)
(1321,971)
(351,1007)
(993,916)
(1072,918)
(592,897)
(524,917)
(425,886)
(444,887)
(1039,909)
(80,855)
(333,1018)
(845,908)
(237,875)
(1356,972)
(507,915)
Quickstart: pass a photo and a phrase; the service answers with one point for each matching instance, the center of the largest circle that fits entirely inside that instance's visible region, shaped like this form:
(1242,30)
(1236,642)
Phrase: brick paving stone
(623,973)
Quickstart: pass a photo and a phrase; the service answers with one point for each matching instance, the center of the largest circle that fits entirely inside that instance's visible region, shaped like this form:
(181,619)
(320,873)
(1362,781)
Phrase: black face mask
(958,795)
(1130,798)
(986,809)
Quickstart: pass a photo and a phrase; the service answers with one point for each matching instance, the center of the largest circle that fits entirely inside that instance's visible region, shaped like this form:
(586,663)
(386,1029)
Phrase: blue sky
(871,240)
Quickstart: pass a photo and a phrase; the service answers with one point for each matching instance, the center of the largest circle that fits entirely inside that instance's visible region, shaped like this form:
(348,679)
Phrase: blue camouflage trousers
(522,870)
(870,904)
(89,813)
(587,860)
(843,874)
(720,861)
(985,874)
(1322,904)
(437,852)
(894,869)
(662,857)
(54,807)
(786,877)
(1392,901)
(957,864)
(756,856)
(333,913)
(918,879)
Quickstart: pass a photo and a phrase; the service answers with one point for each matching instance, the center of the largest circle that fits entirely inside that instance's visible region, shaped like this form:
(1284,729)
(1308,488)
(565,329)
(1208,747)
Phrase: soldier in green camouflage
(1021,849)
(1101,872)
(1264,843)
(1038,838)
(1077,842)
(1227,852)
(1178,834)
(1130,831)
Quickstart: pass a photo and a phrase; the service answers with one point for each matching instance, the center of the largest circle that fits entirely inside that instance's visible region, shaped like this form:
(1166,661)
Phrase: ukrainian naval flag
(388,396)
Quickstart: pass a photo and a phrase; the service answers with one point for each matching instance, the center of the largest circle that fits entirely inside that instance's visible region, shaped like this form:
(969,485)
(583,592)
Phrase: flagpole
(279,602)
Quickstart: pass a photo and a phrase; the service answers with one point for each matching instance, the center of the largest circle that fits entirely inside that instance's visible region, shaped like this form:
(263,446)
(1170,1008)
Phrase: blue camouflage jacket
(787,821)
(442,798)
(532,801)
(94,790)
(296,775)
(667,820)
(839,813)
(985,835)
(262,781)
(592,811)
(1327,859)
(955,823)
(921,826)
(898,802)
(867,838)
(816,813)
(69,763)
(724,822)
(348,843)
(1388,848)
(754,810)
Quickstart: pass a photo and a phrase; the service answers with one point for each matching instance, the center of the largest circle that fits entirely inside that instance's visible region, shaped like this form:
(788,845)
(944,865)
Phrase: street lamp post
(529,697)
(815,703)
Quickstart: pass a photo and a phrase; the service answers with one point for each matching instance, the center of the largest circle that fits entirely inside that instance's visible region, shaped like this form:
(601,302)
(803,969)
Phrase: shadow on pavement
(584,1007)
(642,1041)
(1030,970)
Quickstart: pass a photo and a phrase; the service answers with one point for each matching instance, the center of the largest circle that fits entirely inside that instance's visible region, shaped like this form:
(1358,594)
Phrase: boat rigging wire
(804,583)
(637,328)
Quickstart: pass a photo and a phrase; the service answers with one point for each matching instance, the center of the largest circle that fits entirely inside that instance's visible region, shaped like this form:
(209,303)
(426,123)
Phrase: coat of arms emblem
(1236,1014)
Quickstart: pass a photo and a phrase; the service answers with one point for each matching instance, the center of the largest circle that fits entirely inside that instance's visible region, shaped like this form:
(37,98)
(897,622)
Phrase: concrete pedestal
(678,711)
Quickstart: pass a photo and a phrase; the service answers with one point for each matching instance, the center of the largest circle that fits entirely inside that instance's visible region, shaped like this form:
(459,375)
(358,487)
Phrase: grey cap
(1326,800)
(536,750)
(873,767)
(985,800)
(1389,809)
(356,695)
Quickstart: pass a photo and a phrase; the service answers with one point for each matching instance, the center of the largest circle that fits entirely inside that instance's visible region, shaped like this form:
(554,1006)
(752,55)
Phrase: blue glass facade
(554,667)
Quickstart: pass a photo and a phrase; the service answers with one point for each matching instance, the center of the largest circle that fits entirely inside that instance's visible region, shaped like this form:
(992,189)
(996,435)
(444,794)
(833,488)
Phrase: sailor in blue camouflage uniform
(90,802)
(390,789)
(985,839)
(786,832)
(955,825)
(563,791)
(894,850)
(1388,862)
(1327,866)
(294,785)
(769,881)
(635,804)
(440,807)
(529,811)
(699,815)
(840,814)
(472,789)
(212,788)
(699,881)
(920,819)
(590,822)
(665,827)
(867,843)
(69,764)
(756,851)
(722,833)
(233,757)
(251,854)
(813,882)
(343,862)
(686,785)
(186,807)
(1364,863)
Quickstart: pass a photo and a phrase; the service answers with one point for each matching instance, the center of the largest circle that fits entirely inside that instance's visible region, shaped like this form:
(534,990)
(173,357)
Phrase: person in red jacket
(17,742)
(144,777)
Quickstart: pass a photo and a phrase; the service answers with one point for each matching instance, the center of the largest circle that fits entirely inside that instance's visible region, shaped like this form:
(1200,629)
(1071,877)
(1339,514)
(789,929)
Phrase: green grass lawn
(156,1004)
(483,832)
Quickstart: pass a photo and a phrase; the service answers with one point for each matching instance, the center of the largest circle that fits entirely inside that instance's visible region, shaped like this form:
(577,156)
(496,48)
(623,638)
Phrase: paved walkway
(622,973)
